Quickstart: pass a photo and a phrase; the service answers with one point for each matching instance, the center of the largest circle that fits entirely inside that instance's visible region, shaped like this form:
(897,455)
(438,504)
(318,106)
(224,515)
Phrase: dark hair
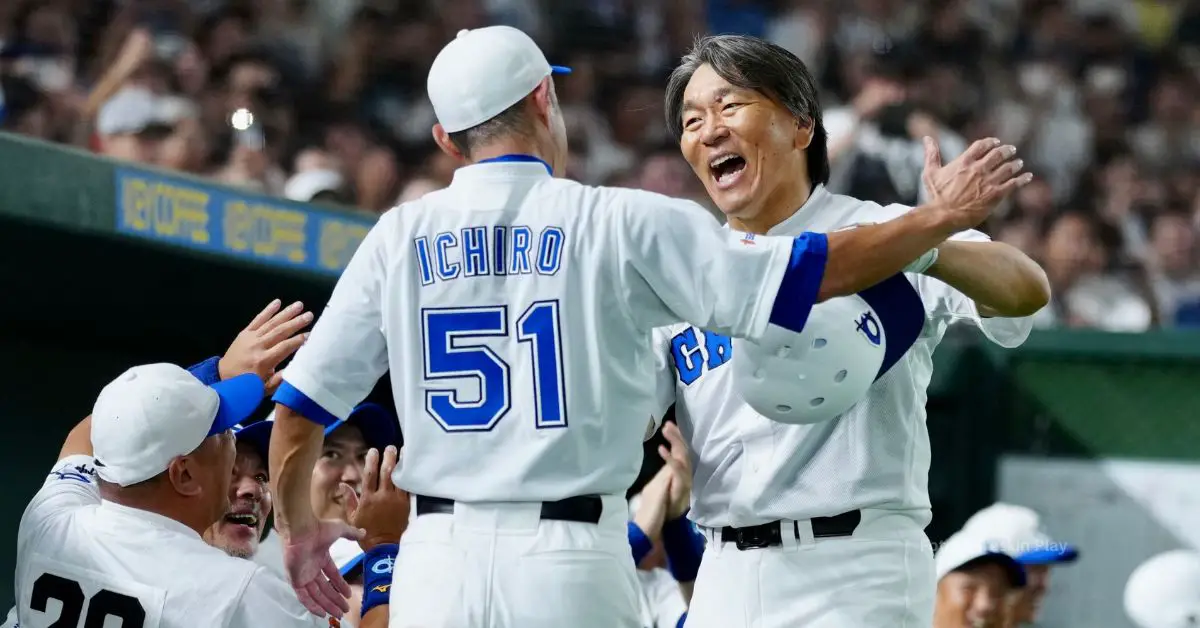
(752,63)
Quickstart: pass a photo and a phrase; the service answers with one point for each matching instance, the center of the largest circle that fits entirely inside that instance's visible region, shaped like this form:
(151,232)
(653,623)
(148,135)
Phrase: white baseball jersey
(83,562)
(750,470)
(662,603)
(515,313)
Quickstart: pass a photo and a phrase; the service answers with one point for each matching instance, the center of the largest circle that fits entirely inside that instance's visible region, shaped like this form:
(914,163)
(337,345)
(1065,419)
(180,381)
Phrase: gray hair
(752,63)
(512,121)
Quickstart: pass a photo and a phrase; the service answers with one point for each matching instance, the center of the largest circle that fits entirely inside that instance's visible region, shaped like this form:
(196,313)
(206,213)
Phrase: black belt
(771,534)
(583,509)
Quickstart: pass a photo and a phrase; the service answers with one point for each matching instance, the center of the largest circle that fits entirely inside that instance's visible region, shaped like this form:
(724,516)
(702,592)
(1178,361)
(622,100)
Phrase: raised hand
(266,342)
(970,187)
(382,510)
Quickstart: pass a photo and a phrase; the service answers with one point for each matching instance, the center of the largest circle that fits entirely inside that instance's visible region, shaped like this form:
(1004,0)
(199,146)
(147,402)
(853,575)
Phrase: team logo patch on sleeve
(77,473)
(869,328)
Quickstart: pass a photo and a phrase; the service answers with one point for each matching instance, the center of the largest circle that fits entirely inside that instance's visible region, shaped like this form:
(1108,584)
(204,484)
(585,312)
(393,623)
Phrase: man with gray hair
(511,499)
(818,520)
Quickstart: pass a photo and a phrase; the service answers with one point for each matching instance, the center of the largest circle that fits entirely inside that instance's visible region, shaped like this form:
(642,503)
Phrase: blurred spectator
(1084,296)
(134,123)
(1175,280)
(1101,96)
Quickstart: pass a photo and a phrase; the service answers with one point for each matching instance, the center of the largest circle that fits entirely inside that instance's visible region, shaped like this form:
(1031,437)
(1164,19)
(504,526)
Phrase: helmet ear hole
(819,343)
(840,376)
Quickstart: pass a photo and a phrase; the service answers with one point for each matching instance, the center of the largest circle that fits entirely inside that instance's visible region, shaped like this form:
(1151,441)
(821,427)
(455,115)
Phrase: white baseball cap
(964,548)
(1164,592)
(152,414)
(482,72)
(1017,531)
(305,185)
(136,109)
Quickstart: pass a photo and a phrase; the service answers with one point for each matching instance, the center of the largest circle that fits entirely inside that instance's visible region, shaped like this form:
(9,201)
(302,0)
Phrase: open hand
(382,510)
(311,570)
(266,342)
(967,190)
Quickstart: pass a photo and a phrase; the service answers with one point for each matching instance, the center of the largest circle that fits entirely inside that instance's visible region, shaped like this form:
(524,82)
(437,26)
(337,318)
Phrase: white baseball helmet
(1164,591)
(846,344)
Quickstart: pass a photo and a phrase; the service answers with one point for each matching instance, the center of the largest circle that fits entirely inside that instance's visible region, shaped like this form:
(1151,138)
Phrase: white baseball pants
(881,576)
(500,566)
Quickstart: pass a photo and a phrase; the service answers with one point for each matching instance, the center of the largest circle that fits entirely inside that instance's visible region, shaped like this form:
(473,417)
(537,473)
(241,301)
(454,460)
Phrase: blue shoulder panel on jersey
(207,371)
(801,281)
(290,396)
(901,314)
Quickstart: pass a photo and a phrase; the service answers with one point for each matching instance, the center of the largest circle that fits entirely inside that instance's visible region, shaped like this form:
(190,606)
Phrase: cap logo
(869,328)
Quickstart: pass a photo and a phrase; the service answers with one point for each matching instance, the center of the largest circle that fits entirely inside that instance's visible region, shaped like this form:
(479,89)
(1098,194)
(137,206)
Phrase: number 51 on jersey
(455,352)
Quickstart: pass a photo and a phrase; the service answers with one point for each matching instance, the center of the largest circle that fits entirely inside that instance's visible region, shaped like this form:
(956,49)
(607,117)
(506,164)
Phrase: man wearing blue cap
(241,529)
(338,473)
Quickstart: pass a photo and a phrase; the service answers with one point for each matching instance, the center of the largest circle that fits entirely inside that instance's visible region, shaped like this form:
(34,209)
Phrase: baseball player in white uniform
(821,525)
(149,470)
(514,311)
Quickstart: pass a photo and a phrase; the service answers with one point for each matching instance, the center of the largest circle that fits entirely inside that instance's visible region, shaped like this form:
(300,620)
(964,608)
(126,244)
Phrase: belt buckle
(745,542)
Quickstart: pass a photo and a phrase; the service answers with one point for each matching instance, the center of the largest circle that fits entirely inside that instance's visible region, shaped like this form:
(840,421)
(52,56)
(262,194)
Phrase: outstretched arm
(962,194)
(1001,280)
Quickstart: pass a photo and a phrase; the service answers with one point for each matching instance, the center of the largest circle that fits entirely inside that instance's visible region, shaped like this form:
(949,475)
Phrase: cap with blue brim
(964,550)
(377,424)
(1050,555)
(1017,530)
(155,413)
(482,72)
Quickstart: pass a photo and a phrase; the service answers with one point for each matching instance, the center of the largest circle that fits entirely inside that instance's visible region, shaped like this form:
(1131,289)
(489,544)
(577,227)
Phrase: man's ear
(543,101)
(180,473)
(804,133)
(442,138)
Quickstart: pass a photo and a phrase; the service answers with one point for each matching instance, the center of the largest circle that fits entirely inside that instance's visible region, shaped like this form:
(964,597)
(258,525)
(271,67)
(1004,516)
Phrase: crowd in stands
(324,101)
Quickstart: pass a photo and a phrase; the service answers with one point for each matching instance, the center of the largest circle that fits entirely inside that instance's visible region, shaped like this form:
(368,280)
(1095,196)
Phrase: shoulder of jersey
(855,212)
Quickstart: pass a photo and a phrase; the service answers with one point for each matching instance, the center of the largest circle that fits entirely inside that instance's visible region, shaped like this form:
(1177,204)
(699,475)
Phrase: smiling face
(239,530)
(746,148)
(343,455)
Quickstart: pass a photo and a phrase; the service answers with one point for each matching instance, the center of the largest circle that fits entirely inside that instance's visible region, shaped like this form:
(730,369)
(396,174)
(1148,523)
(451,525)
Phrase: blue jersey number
(455,353)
